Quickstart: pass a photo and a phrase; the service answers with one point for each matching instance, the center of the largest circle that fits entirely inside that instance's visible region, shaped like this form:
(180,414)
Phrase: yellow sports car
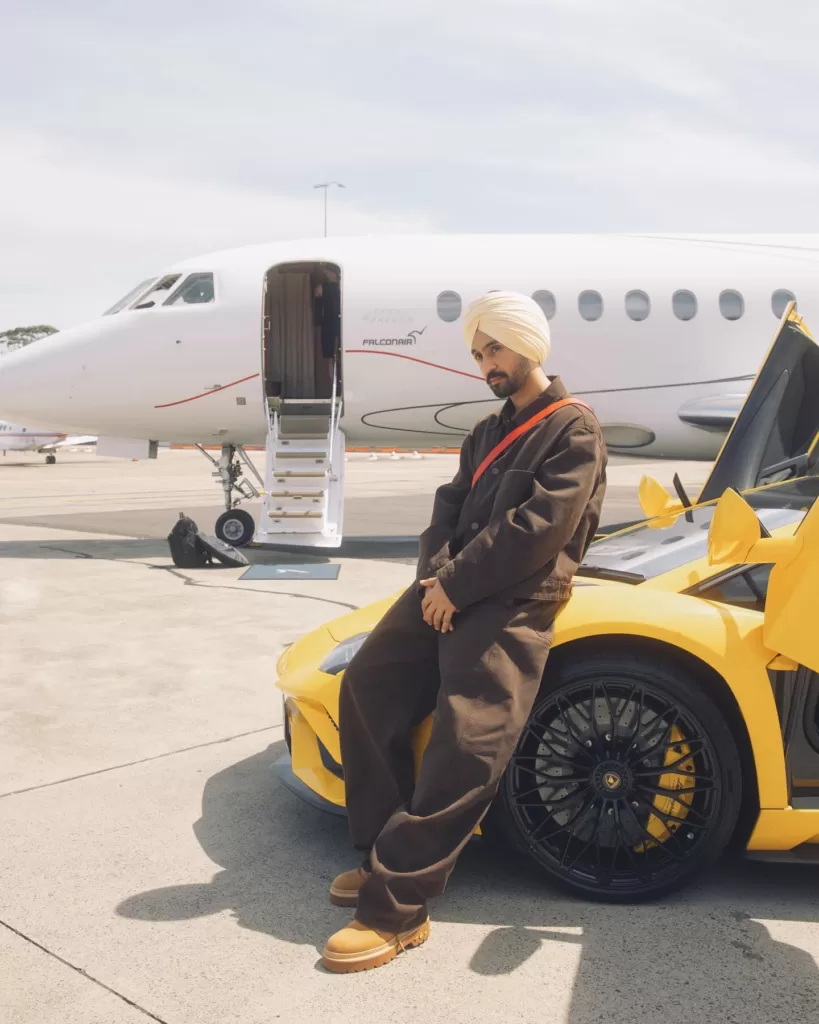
(679,711)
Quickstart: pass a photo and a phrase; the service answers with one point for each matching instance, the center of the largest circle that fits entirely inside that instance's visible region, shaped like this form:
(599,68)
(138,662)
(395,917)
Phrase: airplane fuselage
(196,373)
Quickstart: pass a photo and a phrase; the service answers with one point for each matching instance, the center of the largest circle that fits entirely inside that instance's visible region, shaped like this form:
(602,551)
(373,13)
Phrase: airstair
(303,496)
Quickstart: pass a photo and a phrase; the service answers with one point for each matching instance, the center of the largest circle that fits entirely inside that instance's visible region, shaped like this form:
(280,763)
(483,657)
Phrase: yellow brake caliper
(679,780)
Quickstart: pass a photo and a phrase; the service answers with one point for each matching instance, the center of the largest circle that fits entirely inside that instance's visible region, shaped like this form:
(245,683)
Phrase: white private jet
(308,346)
(16,438)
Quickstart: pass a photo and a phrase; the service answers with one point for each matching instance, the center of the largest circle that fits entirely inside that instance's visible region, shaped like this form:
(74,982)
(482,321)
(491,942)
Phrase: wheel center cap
(611,779)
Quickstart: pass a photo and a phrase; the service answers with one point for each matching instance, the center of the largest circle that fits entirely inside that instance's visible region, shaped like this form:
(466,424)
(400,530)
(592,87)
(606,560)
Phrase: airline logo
(410,339)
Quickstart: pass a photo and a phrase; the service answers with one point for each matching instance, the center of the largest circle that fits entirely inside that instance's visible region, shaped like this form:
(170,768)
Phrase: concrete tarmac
(153,868)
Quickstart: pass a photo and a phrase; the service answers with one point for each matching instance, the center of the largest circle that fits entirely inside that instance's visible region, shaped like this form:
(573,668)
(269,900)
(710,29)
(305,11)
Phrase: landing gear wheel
(626,781)
(50,460)
(235,527)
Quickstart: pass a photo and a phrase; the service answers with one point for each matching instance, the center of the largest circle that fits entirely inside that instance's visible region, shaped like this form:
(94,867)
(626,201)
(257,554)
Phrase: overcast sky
(134,135)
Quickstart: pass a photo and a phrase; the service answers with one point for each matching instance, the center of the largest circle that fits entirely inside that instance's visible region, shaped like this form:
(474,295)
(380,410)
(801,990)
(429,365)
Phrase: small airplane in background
(16,438)
(311,346)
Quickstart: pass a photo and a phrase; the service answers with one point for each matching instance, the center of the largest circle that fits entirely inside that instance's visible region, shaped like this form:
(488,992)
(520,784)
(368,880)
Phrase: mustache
(497,376)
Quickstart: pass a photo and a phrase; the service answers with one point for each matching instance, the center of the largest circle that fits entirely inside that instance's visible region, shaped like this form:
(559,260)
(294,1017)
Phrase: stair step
(297,504)
(310,444)
(291,427)
(289,474)
(291,467)
(308,455)
(293,525)
(304,436)
(311,493)
(305,407)
(294,513)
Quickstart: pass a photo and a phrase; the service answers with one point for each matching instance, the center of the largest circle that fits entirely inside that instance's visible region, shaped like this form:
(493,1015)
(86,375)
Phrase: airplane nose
(35,381)
(18,395)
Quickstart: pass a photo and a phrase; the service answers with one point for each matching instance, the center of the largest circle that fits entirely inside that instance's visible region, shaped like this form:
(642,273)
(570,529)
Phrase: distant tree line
(19,337)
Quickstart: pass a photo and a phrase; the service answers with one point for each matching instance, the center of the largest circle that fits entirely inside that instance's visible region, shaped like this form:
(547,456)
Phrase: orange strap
(519,431)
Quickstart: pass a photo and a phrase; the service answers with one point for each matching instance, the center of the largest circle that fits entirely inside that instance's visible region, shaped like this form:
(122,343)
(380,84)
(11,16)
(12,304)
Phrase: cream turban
(514,320)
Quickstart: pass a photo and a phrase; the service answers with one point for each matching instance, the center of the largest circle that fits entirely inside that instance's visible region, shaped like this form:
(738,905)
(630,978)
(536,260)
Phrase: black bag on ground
(186,550)
(221,551)
(191,549)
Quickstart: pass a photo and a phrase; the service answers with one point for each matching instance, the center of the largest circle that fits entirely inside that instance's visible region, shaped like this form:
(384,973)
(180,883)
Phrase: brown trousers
(481,681)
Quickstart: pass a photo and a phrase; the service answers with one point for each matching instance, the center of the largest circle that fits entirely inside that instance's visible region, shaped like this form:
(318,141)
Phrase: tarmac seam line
(142,760)
(81,971)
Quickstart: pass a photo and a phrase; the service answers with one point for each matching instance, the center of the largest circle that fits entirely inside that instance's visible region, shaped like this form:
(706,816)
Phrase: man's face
(505,371)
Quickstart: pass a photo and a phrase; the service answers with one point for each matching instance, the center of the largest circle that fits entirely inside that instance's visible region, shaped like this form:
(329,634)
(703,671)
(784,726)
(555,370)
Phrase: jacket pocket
(536,615)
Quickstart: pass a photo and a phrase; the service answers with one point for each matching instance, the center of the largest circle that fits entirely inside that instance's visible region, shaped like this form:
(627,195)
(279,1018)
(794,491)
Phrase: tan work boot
(359,948)
(344,889)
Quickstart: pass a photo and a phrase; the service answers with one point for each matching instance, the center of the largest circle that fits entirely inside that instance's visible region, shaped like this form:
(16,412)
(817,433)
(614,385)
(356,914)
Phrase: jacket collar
(553,393)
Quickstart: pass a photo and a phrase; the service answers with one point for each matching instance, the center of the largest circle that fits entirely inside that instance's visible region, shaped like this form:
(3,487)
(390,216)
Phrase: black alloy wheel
(236,527)
(625,782)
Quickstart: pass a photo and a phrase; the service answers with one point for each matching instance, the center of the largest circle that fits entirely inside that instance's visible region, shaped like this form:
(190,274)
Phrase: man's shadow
(699,956)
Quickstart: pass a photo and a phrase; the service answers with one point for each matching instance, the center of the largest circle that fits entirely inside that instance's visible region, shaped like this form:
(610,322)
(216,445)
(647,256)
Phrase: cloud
(136,135)
(76,236)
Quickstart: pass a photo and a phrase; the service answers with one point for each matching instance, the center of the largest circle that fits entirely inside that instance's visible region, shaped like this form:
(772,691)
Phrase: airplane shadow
(136,548)
(701,956)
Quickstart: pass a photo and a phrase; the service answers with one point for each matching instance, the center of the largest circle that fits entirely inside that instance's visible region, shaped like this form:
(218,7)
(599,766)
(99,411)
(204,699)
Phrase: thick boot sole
(348,963)
(344,897)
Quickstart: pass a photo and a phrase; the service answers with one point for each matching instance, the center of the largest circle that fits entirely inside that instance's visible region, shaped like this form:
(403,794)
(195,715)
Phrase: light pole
(326,185)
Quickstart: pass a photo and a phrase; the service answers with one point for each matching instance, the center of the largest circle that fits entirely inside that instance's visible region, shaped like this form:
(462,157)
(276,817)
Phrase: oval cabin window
(638,305)
(449,306)
(779,301)
(684,304)
(547,303)
(731,304)
(590,305)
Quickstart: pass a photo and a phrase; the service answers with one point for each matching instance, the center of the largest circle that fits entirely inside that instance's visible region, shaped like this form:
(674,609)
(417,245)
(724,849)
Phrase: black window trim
(183,280)
(722,577)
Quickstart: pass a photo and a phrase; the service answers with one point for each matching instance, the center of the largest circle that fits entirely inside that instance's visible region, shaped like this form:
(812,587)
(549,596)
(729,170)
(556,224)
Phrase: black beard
(503,387)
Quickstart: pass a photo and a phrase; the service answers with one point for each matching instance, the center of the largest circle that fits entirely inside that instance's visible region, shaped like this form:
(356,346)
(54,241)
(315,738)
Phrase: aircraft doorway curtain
(293,334)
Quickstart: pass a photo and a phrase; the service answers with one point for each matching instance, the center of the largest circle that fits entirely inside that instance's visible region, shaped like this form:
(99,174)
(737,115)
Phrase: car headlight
(340,657)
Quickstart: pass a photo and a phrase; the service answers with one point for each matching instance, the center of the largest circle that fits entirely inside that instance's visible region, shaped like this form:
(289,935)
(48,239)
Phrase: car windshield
(644,551)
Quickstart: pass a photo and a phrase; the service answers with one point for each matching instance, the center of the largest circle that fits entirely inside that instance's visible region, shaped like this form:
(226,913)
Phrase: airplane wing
(70,442)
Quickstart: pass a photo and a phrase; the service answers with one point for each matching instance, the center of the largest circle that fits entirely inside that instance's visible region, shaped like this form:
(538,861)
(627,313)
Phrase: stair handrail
(334,420)
(272,439)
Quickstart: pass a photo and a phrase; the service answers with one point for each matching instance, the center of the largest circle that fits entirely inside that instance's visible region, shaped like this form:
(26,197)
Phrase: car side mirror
(657,504)
(735,536)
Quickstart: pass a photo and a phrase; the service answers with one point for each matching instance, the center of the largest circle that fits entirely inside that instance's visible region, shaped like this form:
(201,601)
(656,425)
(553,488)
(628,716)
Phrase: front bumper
(283,771)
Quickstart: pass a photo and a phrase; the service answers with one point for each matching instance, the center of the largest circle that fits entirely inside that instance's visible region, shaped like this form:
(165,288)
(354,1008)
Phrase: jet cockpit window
(196,289)
(779,301)
(132,296)
(157,293)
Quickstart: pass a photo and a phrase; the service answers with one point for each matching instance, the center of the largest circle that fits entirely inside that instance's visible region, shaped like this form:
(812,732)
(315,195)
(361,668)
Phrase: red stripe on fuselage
(205,394)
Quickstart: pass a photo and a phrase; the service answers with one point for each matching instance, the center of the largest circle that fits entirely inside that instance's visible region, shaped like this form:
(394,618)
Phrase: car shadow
(700,956)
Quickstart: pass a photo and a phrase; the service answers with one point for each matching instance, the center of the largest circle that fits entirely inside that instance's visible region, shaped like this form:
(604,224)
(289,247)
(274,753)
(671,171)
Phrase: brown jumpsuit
(505,552)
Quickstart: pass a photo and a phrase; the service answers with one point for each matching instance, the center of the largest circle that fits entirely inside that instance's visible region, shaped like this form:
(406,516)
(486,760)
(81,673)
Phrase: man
(469,640)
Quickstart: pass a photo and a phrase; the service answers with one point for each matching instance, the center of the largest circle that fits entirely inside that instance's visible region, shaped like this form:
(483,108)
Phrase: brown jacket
(524,528)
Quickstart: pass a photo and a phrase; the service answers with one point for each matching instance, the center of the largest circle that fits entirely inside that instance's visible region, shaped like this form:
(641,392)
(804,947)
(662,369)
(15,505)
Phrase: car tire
(659,777)
(236,527)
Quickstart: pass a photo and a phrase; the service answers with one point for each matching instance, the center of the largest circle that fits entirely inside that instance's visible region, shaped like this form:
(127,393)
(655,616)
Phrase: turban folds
(513,319)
